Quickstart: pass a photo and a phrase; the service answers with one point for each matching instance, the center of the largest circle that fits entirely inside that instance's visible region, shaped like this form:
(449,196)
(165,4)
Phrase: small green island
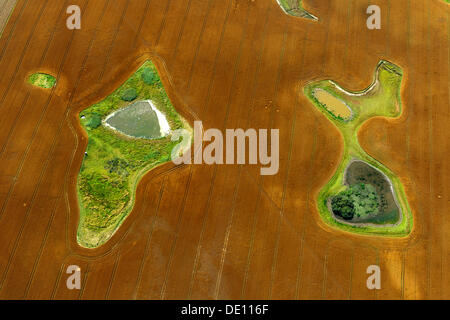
(129,133)
(363,196)
(295,8)
(42,80)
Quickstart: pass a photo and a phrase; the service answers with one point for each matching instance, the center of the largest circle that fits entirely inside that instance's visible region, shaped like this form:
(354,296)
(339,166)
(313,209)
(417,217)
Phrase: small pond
(139,120)
(367,183)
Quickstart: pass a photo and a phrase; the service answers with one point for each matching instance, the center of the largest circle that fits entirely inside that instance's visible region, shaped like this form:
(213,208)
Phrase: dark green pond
(138,120)
(360,173)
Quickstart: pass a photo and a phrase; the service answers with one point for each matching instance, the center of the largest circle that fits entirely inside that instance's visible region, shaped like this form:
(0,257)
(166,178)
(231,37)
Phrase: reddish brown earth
(222,231)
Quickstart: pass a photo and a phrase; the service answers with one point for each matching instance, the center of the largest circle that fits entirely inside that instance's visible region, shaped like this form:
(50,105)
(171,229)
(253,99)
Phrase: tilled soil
(223,231)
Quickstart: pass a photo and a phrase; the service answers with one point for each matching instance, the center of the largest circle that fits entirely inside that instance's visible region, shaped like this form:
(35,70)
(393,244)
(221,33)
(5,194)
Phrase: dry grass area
(333,104)
(223,231)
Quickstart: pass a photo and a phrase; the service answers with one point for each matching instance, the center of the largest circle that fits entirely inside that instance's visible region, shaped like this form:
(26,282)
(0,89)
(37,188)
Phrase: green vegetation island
(363,196)
(295,8)
(129,133)
(42,80)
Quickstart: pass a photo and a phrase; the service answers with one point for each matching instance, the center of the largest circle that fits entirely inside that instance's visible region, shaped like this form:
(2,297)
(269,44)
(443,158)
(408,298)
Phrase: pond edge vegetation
(83,238)
(404,226)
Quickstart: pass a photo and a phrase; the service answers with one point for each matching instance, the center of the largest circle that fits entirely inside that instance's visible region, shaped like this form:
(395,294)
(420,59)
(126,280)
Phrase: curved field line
(111,47)
(138,33)
(41,248)
(388,46)
(252,240)
(280,208)
(325,46)
(13,125)
(302,240)
(429,124)
(73,155)
(69,108)
(28,93)
(177,232)
(197,49)
(41,174)
(163,23)
(296,106)
(312,160)
(19,63)
(260,179)
(347,35)
(34,131)
(44,54)
(351,275)
(252,102)
(167,167)
(261,188)
(325,267)
(149,237)
(219,49)
(12,30)
(56,285)
(358,94)
(207,101)
(84,281)
(229,100)
(180,34)
(448,83)
(113,274)
(67,171)
(388,40)
(117,243)
(403,273)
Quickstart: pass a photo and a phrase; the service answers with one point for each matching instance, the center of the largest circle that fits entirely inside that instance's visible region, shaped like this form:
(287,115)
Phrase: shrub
(343,206)
(118,166)
(360,199)
(129,94)
(149,76)
(94,121)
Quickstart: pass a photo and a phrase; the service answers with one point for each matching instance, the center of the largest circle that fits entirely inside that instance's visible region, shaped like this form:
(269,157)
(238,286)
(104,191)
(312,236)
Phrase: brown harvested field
(223,232)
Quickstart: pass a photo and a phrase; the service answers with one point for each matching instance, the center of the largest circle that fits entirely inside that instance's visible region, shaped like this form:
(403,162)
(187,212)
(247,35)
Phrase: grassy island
(115,162)
(42,80)
(363,196)
(295,8)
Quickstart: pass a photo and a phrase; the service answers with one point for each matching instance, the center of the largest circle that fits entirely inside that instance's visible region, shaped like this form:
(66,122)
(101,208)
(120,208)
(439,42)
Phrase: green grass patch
(114,164)
(42,80)
(295,8)
(129,94)
(382,98)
